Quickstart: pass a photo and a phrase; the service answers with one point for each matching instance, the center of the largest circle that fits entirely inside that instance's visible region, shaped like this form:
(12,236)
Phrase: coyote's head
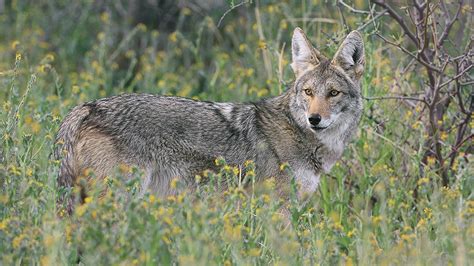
(327,95)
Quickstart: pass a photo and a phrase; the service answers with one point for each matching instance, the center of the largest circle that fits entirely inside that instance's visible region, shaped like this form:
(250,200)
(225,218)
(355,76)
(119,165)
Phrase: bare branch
(229,10)
(456,77)
(460,100)
(419,6)
(398,18)
(395,97)
(445,33)
(344,23)
(353,9)
(420,22)
(455,149)
(372,20)
(466,83)
(313,20)
(410,54)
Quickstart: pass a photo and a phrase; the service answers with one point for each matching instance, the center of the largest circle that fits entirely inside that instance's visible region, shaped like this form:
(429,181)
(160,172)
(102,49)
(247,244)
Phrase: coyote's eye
(334,93)
(308,92)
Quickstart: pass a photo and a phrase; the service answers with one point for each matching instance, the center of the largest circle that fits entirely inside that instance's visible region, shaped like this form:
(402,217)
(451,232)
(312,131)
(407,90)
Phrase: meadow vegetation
(385,202)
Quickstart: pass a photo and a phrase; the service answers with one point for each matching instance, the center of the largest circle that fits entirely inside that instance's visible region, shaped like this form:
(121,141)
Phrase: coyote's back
(166,137)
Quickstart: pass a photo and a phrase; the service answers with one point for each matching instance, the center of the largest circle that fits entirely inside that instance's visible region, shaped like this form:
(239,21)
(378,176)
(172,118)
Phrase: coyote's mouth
(319,128)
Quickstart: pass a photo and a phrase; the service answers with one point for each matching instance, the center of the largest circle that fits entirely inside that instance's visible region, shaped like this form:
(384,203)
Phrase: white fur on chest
(334,150)
(334,143)
(307,180)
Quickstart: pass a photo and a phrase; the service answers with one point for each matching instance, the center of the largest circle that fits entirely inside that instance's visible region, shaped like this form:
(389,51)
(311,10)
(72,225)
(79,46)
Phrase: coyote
(306,127)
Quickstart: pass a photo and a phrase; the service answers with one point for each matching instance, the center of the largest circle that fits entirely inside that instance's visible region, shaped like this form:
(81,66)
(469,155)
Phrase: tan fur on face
(96,151)
(318,105)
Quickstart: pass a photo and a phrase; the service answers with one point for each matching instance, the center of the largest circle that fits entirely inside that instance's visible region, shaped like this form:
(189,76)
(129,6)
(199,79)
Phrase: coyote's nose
(314,119)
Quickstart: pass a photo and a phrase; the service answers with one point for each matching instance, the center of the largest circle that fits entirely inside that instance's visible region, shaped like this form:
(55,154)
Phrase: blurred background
(403,189)
(189,48)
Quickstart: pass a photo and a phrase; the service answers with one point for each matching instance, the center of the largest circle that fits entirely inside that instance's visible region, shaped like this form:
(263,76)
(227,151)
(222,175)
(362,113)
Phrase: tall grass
(374,207)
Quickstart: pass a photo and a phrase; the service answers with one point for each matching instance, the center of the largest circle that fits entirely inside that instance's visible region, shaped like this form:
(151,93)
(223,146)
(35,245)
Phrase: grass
(379,204)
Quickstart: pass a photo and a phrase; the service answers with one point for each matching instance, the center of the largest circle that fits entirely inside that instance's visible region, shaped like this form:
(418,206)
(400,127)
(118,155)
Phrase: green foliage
(375,206)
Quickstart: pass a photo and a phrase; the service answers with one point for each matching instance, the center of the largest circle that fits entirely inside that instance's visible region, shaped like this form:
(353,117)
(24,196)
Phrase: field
(401,195)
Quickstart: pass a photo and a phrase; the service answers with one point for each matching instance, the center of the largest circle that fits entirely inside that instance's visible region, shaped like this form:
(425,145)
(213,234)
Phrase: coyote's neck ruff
(171,137)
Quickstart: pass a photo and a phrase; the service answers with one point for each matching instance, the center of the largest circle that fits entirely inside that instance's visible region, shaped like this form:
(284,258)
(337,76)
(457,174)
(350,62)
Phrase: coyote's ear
(351,56)
(304,55)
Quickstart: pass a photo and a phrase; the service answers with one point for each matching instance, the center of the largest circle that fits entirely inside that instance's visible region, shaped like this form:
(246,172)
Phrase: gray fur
(170,137)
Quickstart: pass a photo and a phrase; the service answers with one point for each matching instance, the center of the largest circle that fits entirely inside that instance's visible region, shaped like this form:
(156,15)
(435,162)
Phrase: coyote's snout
(171,137)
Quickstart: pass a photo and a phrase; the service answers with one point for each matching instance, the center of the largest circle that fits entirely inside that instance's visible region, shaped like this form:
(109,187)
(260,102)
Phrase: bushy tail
(66,140)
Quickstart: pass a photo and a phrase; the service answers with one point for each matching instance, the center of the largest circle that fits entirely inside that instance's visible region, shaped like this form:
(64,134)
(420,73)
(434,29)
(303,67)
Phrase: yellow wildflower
(49,57)
(421,223)
(151,198)
(166,240)
(284,166)
(101,36)
(416,125)
(48,240)
(250,173)
(180,197)
(408,115)
(236,171)
(167,220)
(249,72)
(376,219)
(352,233)
(175,230)
(88,200)
(254,252)
(141,27)
(130,54)
(174,183)
(428,212)
(266,198)
(125,169)
(423,180)
(171,198)
(276,217)
(408,237)
(443,136)
(105,17)
(35,127)
(186,11)
(173,37)
(233,233)
(3,224)
(197,178)
(366,147)
(80,210)
(391,203)
(75,89)
(17,241)
(45,260)
(15,44)
(430,160)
